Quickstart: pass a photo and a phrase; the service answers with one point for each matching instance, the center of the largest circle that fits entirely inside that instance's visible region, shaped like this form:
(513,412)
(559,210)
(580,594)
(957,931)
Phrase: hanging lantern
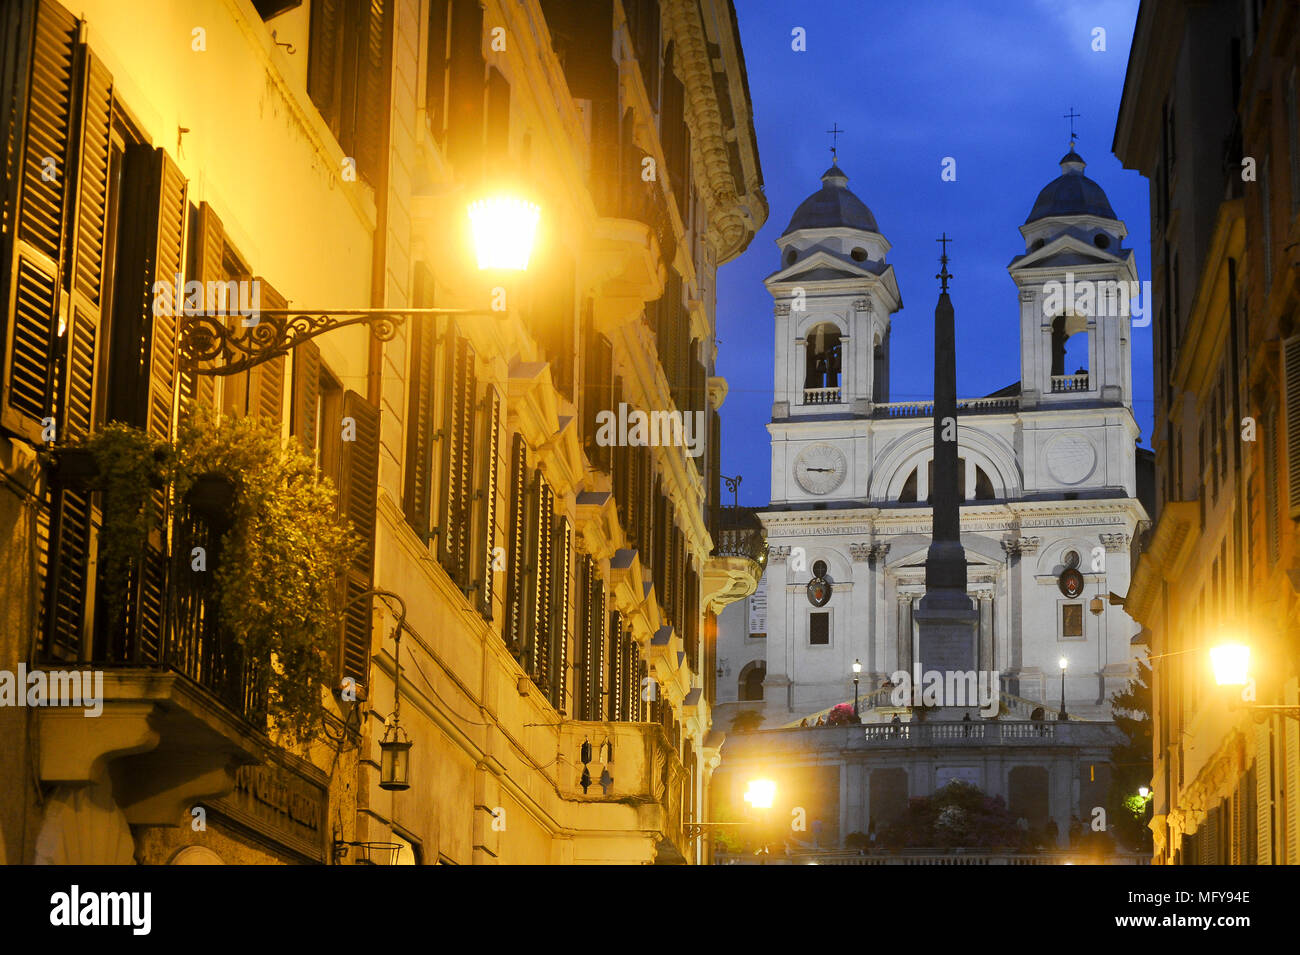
(503,228)
(1097,605)
(394,759)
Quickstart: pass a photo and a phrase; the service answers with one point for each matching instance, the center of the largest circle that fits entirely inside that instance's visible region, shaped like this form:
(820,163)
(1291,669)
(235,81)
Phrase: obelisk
(946,619)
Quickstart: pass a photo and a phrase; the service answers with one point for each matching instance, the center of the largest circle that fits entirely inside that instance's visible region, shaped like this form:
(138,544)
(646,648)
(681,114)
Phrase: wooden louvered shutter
(556,672)
(585,709)
(541,549)
(435,90)
(455,523)
(486,500)
(597,388)
(1291,775)
(369,119)
(466,78)
(305,399)
(34,252)
(1265,766)
(325,58)
(143,381)
(417,495)
(497,135)
(207,251)
(1291,372)
(358,498)
(70,513)
(617,661)
(598,637)
(516,580)
(266,381)
(714,483)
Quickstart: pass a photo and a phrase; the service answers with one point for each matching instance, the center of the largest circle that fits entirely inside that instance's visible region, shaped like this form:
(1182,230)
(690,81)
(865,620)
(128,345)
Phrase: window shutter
(541,547)
(598,637)
(586,663)
(417,495)
(71,513)
(358,493)
(597,388)
(325,58)
(617,664)
(1265,766)
(485,533)
(465,86)
(1291,775)
(369,122)
(207,249)
(305,400)
(34,251)
(516,580)
(556,659)
(457,461)
(1291,371)
(435,89)
(266,381)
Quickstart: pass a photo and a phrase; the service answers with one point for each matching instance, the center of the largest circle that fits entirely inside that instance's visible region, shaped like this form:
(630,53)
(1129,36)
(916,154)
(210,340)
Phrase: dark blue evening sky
(913,82)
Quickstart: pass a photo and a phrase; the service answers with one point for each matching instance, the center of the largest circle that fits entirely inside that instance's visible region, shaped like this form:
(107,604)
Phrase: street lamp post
(857,671)
(760,795)
(1231,664)
(1063,663)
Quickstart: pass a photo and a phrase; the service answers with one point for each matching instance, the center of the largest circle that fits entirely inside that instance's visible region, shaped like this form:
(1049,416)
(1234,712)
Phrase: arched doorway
(750,683)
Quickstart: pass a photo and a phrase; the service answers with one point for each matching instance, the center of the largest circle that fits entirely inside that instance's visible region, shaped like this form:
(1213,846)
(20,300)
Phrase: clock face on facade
(820,469)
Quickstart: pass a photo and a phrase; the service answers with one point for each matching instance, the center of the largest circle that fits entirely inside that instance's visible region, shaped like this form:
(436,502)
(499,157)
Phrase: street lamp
(503,230)
(761,793)
(1144,791)
(857,671)
(1063,664)
(1231,664)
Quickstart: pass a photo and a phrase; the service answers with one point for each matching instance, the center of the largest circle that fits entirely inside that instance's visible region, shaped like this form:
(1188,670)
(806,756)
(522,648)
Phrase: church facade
(1049,470)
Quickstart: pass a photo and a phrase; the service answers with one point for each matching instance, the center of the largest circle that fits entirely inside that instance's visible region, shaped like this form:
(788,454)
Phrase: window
(823,357)
(1071,621)
(347,76)
(819,628)
(750,684)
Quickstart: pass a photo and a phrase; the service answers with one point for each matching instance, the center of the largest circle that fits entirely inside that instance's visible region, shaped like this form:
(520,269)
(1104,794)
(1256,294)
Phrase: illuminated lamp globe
(503,228)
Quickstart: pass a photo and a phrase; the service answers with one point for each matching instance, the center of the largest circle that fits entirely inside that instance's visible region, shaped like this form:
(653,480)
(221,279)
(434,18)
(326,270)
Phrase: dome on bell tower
(832,206)
(1071,194)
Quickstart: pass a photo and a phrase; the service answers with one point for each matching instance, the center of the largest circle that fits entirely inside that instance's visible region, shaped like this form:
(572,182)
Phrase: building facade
(534,595)
(1210,117)
(1048,466)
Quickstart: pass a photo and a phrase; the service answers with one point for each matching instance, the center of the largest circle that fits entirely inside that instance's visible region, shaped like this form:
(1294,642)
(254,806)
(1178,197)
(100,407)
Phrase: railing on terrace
(740,534)
(975,732)
(821,396)
(925,409)
(1063,383)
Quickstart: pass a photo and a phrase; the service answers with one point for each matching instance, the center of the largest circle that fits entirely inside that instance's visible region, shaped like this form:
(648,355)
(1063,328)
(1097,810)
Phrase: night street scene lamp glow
(857,666)
(761,793)
(1231,663)
(504,228)
(394,759)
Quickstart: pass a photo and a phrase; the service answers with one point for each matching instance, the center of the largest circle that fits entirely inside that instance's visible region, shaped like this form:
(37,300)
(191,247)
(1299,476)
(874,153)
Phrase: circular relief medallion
(820,469)
(1071,583)
(1070,458)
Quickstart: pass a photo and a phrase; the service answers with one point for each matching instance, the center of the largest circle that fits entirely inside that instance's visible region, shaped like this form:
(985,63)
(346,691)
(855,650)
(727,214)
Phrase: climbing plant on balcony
(276,574)
(275,549)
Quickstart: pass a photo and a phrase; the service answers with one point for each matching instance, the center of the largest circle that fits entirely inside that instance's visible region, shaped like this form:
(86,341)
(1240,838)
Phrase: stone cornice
(736,210)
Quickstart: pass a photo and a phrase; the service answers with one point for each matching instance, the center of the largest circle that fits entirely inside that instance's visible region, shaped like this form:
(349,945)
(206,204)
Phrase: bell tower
(1076,280)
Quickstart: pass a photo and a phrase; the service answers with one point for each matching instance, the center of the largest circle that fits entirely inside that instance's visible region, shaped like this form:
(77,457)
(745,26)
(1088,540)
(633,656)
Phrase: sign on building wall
(758,610)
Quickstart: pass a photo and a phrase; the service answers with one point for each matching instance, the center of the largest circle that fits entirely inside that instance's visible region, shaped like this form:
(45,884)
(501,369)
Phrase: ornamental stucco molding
(729,215)
(778,555)
(1115,542)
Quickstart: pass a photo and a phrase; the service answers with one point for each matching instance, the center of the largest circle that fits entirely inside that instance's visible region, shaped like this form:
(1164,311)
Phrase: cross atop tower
(1072,116)
(944,275)
(835,135)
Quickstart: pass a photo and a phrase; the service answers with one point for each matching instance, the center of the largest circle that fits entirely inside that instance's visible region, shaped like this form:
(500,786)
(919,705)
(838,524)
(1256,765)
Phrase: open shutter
(1264,769)
(435,90)
(369,122)
(1291,371)
(358,493)
(455,523)
(582,642)
(305,399)
(266,381)
(419,429)
(207,249)
(542,547)
(557,657)
(598,638)
(617,668)
(516,579)
(1291,775)
(325,58)
(486,500)
(69,588)
(34,252)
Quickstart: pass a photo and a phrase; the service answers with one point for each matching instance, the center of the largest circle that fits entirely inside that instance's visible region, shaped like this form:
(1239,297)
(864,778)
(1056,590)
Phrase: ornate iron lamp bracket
(222,345)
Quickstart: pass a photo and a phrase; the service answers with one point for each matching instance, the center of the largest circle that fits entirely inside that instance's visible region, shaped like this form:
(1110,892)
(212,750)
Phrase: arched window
(983,486)
(823,363)
(879,391)
(909,489)
(1070,353)
(751,681)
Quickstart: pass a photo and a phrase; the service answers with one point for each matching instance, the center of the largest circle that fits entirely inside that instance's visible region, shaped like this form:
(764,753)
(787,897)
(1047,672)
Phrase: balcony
(738,559)
(1068,383)
(821,396)
(925,409)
